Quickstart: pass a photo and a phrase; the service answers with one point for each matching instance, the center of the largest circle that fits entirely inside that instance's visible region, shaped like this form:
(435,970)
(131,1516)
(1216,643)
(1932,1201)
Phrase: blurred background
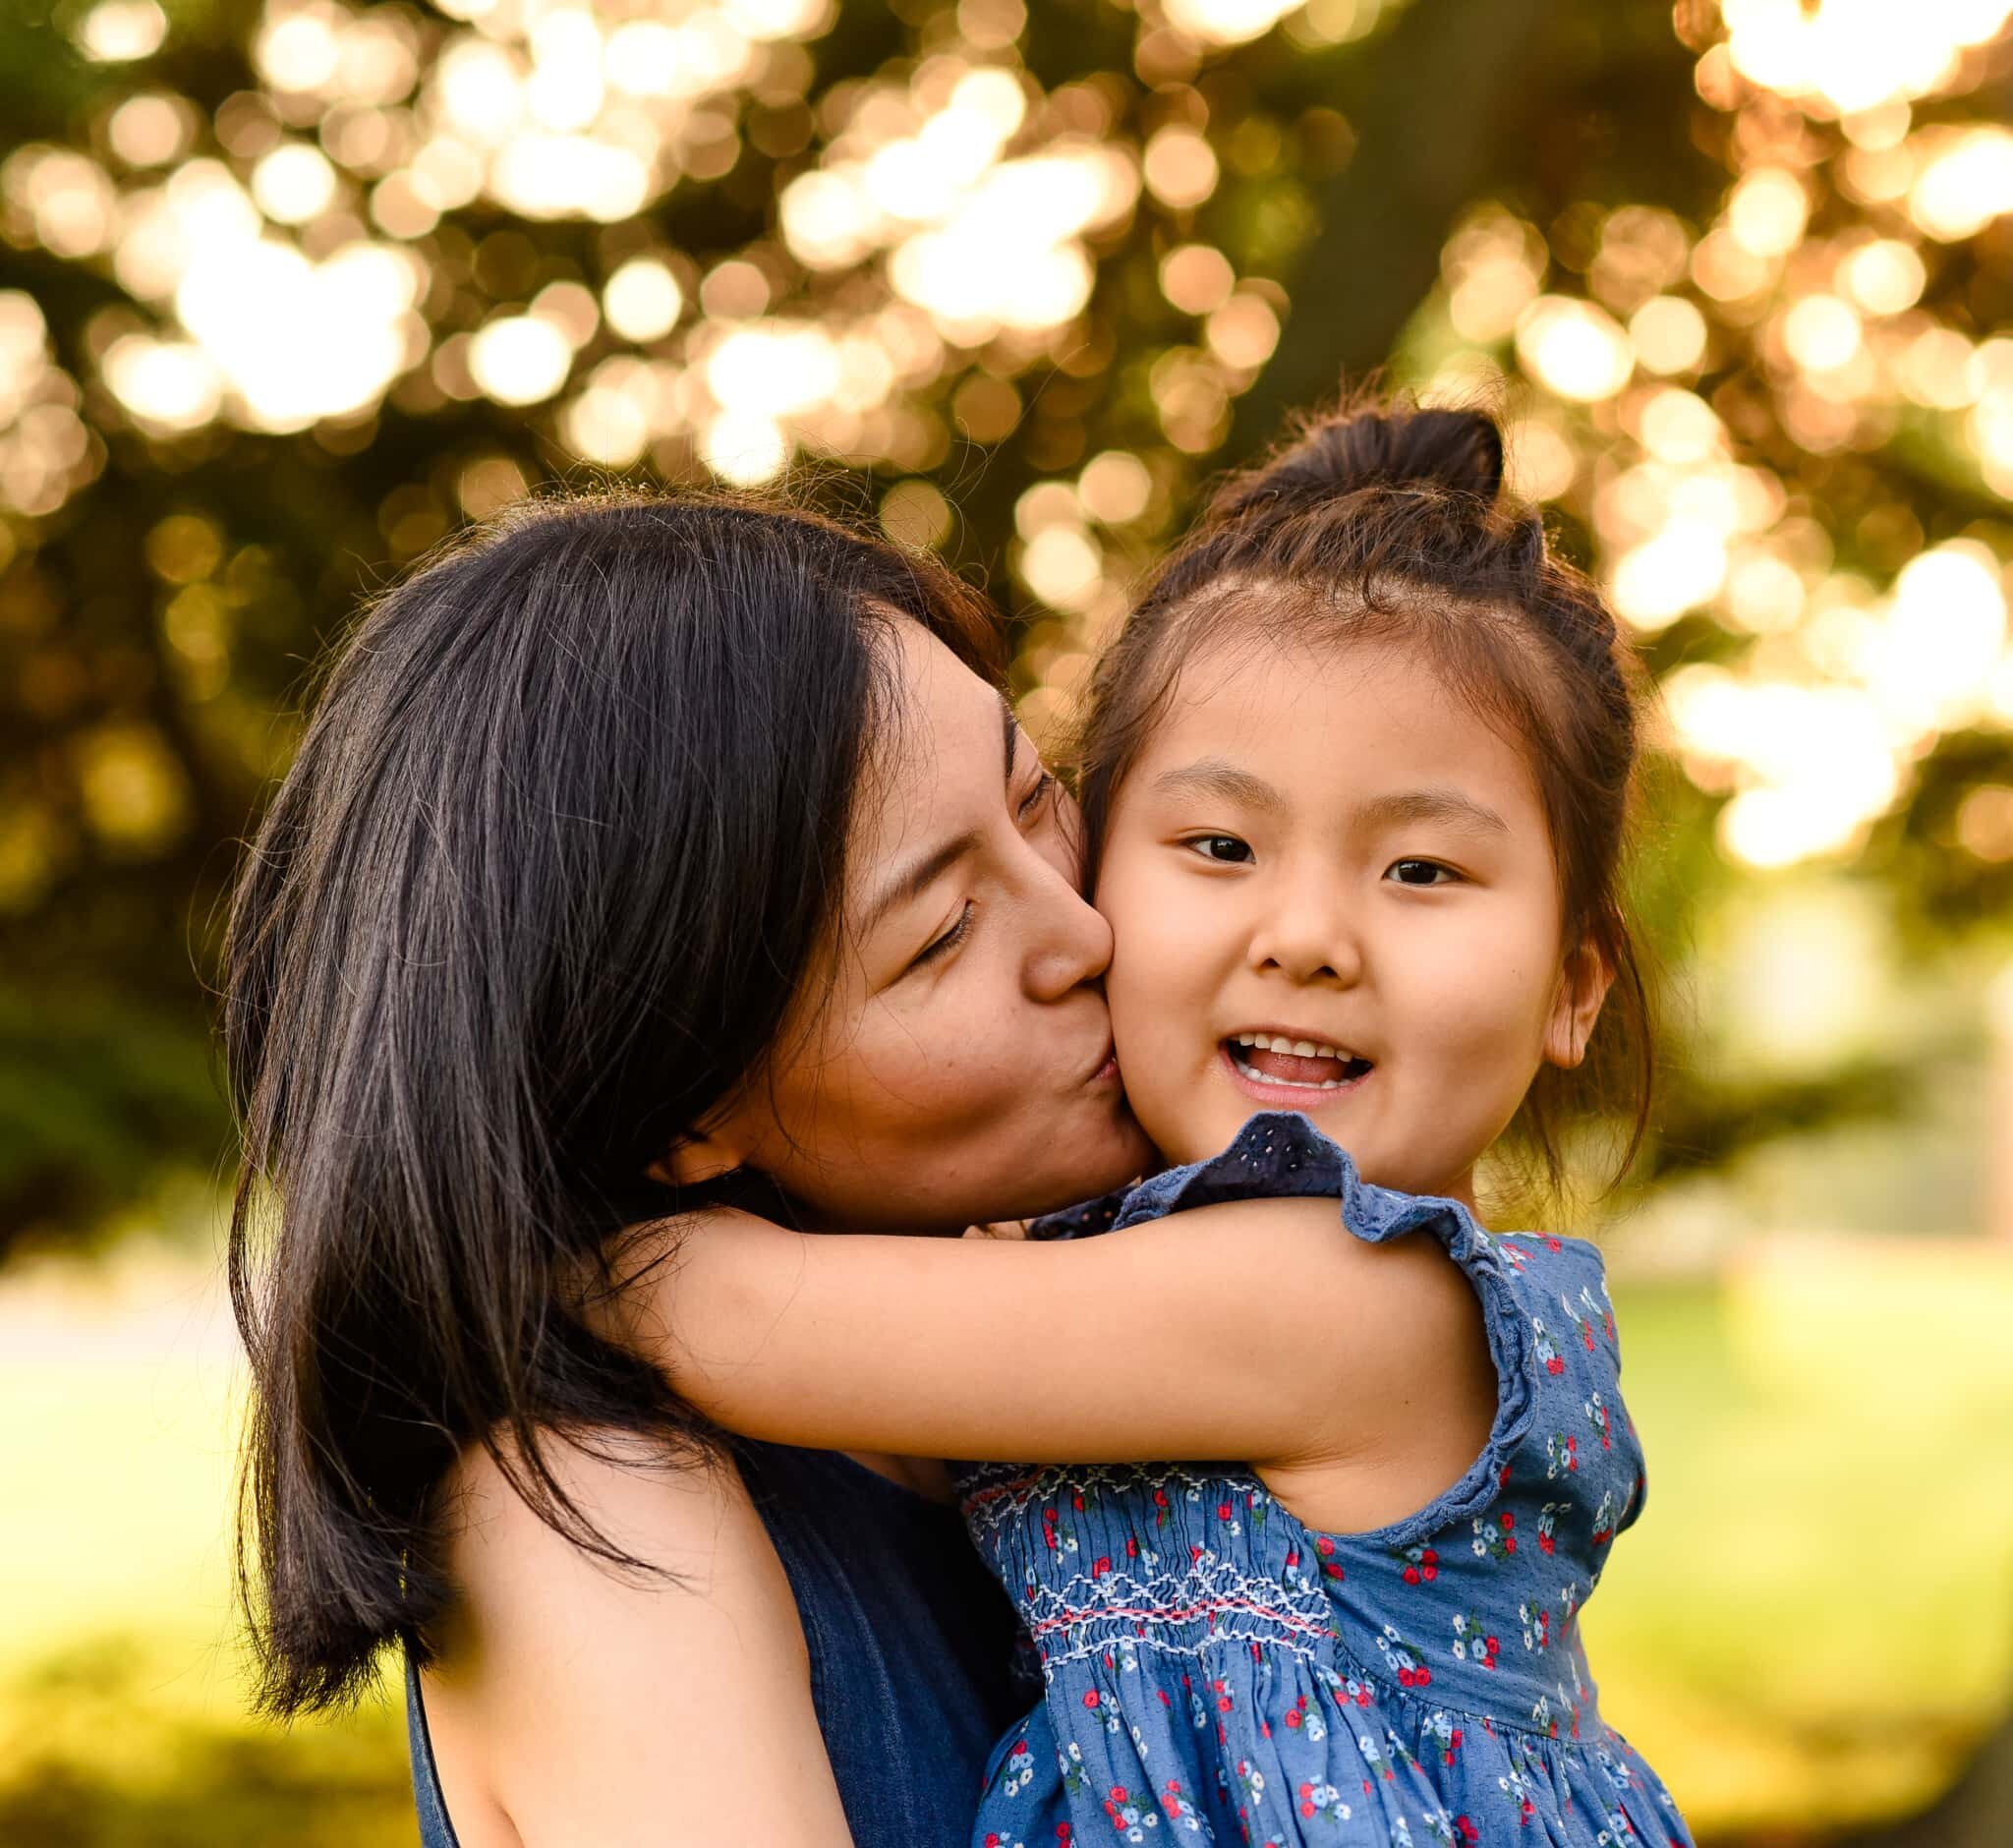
(291,289)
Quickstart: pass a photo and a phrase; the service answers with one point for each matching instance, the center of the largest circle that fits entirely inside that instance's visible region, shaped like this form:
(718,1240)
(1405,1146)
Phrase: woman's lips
(1282,1090)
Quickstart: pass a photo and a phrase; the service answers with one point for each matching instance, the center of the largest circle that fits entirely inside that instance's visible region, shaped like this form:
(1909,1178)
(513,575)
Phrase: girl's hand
(999,1228)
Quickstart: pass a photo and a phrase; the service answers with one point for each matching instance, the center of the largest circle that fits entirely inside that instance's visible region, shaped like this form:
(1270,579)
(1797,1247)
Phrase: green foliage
(167,576)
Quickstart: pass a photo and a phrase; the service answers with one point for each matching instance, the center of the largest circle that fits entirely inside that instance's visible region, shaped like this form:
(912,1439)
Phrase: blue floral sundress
(1212,1668)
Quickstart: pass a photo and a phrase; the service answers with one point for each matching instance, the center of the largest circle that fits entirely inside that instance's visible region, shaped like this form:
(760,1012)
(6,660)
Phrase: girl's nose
(1308,938)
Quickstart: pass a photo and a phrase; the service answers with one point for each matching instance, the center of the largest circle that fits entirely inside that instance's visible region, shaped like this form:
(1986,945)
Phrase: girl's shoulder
(1281,1155)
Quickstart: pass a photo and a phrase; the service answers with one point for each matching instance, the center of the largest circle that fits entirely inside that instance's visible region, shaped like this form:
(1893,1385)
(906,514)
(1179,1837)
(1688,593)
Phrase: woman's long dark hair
(558,847)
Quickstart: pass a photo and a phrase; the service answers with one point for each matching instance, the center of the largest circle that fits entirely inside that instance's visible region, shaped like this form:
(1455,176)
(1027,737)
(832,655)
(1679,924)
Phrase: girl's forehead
(1230,679)
(1366,714)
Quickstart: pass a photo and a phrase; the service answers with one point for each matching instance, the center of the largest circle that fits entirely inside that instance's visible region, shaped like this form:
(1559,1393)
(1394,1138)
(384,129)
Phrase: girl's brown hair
(1382,523)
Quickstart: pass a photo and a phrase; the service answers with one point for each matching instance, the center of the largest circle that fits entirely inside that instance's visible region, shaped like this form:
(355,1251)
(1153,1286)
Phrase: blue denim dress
(910,1644)
(1215,1669)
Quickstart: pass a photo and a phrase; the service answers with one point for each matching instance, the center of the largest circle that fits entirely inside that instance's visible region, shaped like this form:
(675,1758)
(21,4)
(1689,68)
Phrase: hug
(666,945)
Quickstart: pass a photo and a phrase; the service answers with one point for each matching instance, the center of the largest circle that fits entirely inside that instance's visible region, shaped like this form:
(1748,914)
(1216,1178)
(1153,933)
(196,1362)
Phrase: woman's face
(959,1066)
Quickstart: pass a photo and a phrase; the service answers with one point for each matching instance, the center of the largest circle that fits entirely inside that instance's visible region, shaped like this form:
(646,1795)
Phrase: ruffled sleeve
(1281,1155)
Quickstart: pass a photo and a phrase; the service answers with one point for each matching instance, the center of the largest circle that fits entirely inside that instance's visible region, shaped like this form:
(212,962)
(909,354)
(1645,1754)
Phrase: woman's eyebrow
(1218,776)
(916,879)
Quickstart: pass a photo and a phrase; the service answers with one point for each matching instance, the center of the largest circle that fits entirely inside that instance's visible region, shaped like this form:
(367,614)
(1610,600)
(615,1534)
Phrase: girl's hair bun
(1385,447)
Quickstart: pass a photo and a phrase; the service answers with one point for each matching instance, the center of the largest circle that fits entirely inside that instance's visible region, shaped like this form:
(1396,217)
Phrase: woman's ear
(1584,984)
(697,1157)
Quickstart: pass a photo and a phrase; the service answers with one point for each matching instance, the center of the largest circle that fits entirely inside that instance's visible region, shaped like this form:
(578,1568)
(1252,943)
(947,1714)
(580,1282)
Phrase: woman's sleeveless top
(910,1644)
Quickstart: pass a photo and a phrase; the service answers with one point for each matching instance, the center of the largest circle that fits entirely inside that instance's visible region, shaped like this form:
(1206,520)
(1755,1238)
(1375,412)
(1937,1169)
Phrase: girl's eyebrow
(1450,807)
(1218,776)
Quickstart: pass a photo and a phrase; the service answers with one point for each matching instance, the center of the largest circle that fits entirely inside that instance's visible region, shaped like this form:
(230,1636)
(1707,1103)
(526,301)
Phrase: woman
(616,873)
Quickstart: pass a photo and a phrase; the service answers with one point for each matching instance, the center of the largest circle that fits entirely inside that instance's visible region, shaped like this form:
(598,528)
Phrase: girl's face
(1332,890)
(959,1065)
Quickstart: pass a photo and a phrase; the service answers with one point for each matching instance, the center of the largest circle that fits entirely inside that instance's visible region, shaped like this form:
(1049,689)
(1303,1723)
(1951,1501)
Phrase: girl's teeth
(1291,1084)
(1279,1043)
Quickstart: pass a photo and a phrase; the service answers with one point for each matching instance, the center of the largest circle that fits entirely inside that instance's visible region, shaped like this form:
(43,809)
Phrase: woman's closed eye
(1420,873)
(1036,799)
(950,939)
(1220,849)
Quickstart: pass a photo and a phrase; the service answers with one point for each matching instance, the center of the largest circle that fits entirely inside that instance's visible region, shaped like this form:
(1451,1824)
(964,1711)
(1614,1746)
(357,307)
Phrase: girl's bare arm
(1259,1330)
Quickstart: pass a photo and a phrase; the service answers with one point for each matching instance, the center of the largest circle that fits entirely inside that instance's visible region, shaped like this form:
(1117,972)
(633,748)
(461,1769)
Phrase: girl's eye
(1031,803)
(1421,873)
(1220,849)
(950,940)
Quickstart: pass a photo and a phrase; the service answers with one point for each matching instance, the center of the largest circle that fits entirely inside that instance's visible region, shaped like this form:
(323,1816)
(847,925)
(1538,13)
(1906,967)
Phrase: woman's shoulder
(655,1520)
(677,1608)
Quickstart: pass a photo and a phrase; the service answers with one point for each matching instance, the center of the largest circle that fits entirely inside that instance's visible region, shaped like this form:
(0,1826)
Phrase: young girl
(1353,783)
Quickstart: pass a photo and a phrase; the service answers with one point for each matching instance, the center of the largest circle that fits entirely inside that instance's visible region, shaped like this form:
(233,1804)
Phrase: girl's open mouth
(1273,1062)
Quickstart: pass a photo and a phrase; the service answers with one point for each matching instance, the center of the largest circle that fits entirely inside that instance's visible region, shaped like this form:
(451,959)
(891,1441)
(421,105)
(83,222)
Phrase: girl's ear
(1584,984)
(698,1157)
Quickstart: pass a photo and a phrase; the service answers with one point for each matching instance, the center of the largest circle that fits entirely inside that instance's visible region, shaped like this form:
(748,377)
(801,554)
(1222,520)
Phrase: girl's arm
(1259,1330)
(573,1703)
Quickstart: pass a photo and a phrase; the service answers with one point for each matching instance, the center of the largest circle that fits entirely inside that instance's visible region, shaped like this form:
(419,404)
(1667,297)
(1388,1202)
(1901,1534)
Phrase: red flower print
(1090,1699)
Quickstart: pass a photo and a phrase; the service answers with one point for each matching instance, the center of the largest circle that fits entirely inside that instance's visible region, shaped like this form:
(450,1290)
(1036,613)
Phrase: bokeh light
(294,289)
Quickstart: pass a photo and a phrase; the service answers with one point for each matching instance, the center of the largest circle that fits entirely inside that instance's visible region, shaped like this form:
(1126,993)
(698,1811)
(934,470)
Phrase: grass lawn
(1809,1626)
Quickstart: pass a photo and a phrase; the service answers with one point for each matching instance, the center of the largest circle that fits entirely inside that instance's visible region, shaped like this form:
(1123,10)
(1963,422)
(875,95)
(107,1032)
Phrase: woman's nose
(1070,942)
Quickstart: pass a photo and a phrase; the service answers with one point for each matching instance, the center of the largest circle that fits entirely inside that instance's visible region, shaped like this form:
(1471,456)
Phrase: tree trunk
(1442,90)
